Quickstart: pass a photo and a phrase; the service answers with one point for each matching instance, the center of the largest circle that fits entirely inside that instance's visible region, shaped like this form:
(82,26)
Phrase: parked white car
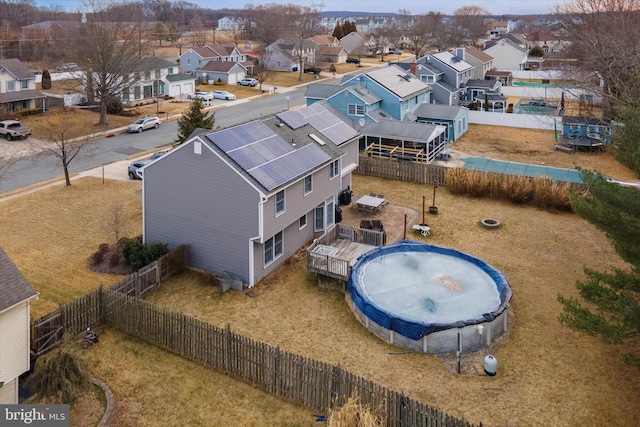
(223,94)
(144,123)
(205,96)
(248,82)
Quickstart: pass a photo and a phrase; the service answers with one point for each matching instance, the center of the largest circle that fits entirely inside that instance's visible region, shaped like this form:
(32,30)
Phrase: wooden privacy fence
(316,385)
(74,317)
(401,170)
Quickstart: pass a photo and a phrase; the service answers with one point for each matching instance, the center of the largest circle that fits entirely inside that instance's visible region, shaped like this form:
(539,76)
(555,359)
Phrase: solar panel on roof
(239,136)
(292,118)
(285,168)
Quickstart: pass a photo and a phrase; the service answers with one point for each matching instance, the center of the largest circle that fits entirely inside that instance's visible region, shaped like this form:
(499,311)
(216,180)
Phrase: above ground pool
(429,298)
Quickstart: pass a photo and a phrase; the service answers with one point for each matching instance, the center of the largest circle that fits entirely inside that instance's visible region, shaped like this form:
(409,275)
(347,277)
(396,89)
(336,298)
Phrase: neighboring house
(227,72)
(48,31)
(508,55)
(233,23)
(454,118)
(358,43)
(284,55)
(16,295)
(447,73)
(549,42)
(335,54)
(155,77)
(18,88)
(251,195)
(381,104)
(328,49)
(196,57)
(504,77)
(481,61)
(499,29)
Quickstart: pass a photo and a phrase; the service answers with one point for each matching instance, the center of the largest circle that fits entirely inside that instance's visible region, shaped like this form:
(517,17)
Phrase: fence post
(277,372)
(335,389)
(227,348)
(136,278)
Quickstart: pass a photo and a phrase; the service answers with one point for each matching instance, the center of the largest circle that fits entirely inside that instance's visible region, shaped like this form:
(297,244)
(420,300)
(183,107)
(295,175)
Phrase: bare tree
(115,221)
(262,71)
(198,32)
(306,23)
(66,140)
(603,36)
(270,22)
(426,31)
(109,50)
(469,23)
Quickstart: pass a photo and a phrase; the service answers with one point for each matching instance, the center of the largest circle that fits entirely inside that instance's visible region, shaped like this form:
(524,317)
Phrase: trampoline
(429,298)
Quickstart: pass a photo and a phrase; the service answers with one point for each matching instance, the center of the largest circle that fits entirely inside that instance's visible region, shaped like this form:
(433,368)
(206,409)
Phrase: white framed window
(280,204)
(11,86)
(318,218)
(24,84)
(308,184)
(330,212)
(355,110)
(334,169)
(302,222)
(273,248)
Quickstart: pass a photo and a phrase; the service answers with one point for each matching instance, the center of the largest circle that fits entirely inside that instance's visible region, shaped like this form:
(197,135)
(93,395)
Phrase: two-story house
(247,197)
(449,87)
(498,29)
(16,295)
(359,43)
(507,55)
(18,88)
(284,55)
(150,78)
(481,62)
(328,49)
(196,57)
(381,104)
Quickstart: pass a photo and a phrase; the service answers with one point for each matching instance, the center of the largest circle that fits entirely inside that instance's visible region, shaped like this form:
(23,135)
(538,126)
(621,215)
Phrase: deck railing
(333,266)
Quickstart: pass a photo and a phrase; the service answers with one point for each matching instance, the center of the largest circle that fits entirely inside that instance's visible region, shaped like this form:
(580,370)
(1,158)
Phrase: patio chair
(376,225)
(373,194)
(366,224)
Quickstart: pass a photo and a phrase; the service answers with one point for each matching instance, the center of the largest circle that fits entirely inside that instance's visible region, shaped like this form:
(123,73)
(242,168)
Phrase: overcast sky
(414,6)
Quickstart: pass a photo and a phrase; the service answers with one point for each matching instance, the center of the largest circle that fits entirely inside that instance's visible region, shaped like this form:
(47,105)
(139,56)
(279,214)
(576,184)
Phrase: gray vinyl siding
(199,200)
(293,239)
(351,153)
(297,204)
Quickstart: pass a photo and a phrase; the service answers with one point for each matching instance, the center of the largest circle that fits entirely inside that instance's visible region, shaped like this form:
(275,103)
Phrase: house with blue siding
(247,197)
(382,104)
(454,118)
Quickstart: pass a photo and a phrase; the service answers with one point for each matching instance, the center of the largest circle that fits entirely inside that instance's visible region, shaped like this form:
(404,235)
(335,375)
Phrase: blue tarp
(523,169)
(410,328)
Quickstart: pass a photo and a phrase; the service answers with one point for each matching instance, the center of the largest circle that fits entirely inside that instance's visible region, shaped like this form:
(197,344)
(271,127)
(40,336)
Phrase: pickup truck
(12,129)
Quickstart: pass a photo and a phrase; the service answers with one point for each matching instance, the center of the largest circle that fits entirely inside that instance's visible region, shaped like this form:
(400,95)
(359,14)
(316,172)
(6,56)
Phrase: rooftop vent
(316,139)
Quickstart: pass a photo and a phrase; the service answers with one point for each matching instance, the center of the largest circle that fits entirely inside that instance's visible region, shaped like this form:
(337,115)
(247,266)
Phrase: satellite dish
(362,122)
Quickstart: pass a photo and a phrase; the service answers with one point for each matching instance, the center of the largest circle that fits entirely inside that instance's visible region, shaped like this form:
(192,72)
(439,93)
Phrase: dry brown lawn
(547,374)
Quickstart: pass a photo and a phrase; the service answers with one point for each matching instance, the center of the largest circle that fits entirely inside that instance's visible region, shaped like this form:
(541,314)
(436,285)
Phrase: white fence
(528,121)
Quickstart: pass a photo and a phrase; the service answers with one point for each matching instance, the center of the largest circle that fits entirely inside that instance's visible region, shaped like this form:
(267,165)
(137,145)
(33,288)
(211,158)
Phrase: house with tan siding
(16,295)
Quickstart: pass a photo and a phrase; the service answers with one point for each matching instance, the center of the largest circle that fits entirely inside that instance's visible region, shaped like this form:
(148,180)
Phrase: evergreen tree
(193,119)
(611,307)
(46,80)
(337,31)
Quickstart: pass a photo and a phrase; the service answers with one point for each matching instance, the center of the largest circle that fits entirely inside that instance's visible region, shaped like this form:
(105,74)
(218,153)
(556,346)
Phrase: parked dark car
(353,60)
(312,69)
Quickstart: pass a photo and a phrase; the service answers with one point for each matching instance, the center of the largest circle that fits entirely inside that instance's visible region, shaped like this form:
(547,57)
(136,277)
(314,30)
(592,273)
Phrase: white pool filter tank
(490,365)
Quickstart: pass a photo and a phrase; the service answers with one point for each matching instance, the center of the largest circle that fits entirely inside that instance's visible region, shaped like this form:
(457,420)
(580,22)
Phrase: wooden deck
(350,251)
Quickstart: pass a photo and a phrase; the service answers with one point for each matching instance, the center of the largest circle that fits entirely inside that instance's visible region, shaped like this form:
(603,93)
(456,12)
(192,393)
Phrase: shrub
(542,191)
(59,376)
(138,254)
(456,180)
(477,183)
(332,68)
(219,82)
(46,80)
(559,195)
(355,414)
(114,106)
(517,188)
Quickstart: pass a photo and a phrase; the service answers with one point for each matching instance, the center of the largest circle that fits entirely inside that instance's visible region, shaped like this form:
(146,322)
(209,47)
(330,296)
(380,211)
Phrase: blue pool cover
(410,328)
(524,169)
